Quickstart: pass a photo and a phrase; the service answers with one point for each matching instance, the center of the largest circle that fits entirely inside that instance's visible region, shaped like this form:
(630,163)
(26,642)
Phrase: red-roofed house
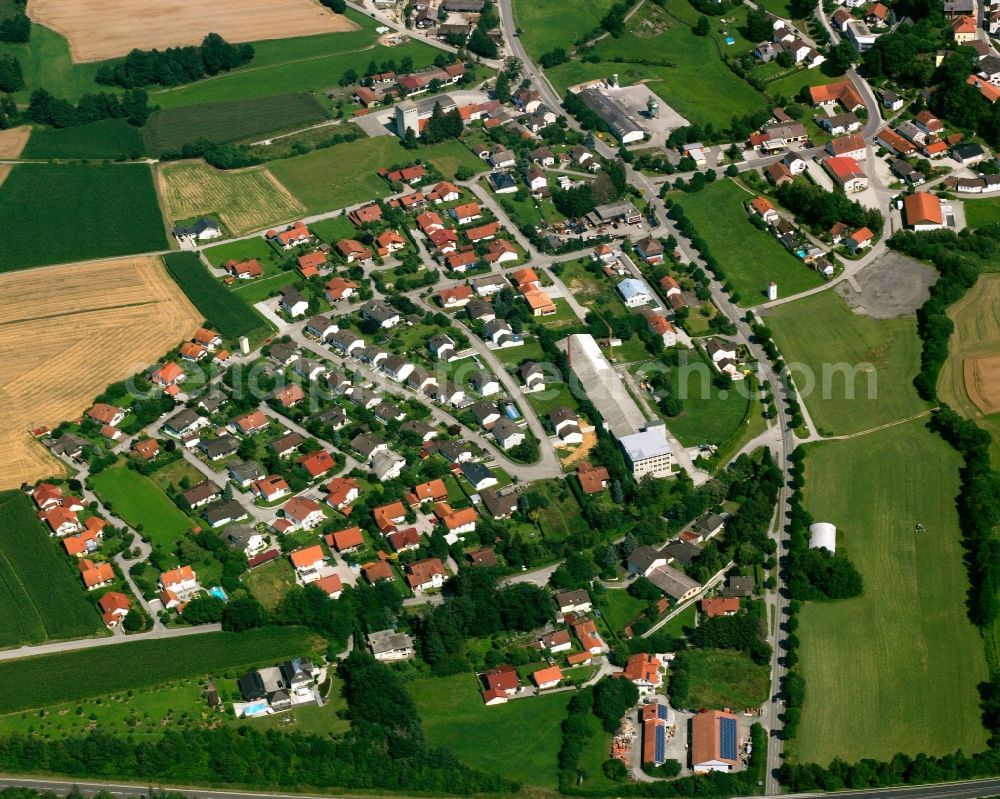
(62,521)
(270,488)
(483,232)
(860,239)
(431,491)
(304,512)
(295,235)
(388,516)
(341,492)
(425,575)
(428,222)
(244,270)
(466,214)
(593,479)
(764,208)
(106,414)
(347,540)
(308,562)
(310,263)
(168,374)
(922,211)
(331,586)
(402,540)
(367,215)
(501,682)
(290,395)
(353,250)
(444,239)
(587,635)
(458,522)
(114,607)
(146,448)
(47,496)
(644,670)
(83,543)
(547,678)
(455,297)
(500,251)
(842,92)
(378,571)
(847,172)
(963,29)
(444,192)
(96,575)
(714,606)
(389,242)
(339,289)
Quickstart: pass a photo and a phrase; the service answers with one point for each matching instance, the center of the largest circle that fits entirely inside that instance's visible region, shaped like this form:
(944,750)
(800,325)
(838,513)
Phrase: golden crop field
(100,29)
(12,141)
(66,332)
(244,200)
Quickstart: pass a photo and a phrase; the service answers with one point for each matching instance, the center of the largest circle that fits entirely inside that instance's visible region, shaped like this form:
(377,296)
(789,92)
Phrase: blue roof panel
(727,738)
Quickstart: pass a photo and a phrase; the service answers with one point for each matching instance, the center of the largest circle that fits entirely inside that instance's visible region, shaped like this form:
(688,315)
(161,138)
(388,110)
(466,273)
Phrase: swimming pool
(218,593)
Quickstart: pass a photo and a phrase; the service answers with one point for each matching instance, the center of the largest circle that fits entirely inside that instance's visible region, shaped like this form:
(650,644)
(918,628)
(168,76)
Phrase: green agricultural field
(524,736)
(546,24)
(137,500)
(982,212)
(52,679)
(897,669)
(342,175)
(225,310)
(860,369)
(54,213)
(109,138)
(749,257)
(333,230)
(258,290)
(41,596)
(224,122)
(308,63)
(726,678)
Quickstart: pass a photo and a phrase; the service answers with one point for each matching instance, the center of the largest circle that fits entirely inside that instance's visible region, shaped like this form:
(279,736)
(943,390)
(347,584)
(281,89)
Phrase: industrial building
(657,724)
(714,741)
(603,385)
(626,128)
(648,452)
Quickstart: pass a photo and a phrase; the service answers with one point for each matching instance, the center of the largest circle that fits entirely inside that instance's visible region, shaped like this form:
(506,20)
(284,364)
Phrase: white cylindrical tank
(823,534)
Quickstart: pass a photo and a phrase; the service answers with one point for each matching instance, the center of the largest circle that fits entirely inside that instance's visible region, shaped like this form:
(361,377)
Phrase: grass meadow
(896,669)
(523,737)
(863,368)
(982,212)
(45,62)
(749,257)
(41,596)
(138,500)
(726,678)
(54,213)
(546,24)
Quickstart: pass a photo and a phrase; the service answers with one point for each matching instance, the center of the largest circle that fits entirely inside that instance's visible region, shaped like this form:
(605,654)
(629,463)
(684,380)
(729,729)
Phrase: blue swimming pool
(218,593)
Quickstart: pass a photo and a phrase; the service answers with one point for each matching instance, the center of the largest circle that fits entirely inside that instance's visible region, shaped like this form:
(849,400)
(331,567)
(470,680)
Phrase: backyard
(139,502)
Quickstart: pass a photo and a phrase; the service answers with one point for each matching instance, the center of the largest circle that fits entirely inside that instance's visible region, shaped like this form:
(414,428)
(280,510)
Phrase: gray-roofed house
(367,444)
(387,412)
(507,434)
(644,559)
(420,428)
(675,584)
(203,229)
(624,125)
(218,448)
(387,465)
(478,475)
(245,539)
(293,302)
(284,352)
(480,310)
(739,586)
(224,511)
(500,505)
(364,398)
(184,422)
(485,413)
(287,444)
(455,451)
(380,312)
(390,645)
(69,445)
(243,473)
(708,525)
(335,418)
(681,551)
(212,401)
(201,494)
(575,601)
(442,346)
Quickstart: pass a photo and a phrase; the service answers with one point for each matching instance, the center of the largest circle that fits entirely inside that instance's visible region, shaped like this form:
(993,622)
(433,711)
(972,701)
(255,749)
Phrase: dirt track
(66,332)
(100,29)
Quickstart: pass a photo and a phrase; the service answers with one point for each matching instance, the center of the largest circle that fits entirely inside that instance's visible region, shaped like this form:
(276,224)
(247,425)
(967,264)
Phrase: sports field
(137,500)
(977,334)
(524,736)
(108,138)
(100,322)
(854,372)
(749,257)
(41,598)
(54,213)
(101,29)
(244,199)
(896,669)
(49,679)
(227,122)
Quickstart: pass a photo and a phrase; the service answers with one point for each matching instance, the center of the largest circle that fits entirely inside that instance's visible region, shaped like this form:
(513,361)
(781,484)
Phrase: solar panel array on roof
(727,738)
(661,744)
(661,711)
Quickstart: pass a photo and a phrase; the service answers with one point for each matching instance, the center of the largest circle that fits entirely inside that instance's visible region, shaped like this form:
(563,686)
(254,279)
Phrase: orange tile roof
(539,300)
(114,600)
(303,558)
(422,572)
(844,168)
(842,91)
(299,508)
(95,574)
(986,89)
(705,738)
(384,515)
(551,674)
(346,539)
(719,605)
(483,231)
(175,576)
(963,24)
(592,478)
(316,462)
(377,570)
(761,204)
(330,584)
(643,666)
(922,208)
(338,489)
(432,490)
(847,144)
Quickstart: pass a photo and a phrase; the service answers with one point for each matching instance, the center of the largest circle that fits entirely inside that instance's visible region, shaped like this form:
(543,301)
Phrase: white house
(292,302)
(634,293)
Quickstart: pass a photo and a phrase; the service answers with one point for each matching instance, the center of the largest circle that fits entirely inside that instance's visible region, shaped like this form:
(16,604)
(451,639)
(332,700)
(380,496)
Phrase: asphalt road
(970,789)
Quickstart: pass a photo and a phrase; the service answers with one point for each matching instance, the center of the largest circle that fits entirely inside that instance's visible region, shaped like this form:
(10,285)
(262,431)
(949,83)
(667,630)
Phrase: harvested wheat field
(100,29)
(66,332)
(12,141)
(244,200)
(982,382)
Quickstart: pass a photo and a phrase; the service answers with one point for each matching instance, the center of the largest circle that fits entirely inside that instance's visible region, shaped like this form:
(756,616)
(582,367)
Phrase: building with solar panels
(714,742)
(657,725)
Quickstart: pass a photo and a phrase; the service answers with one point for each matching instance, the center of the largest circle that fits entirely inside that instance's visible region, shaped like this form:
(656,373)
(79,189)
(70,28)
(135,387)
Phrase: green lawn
(345,174)
(790,85)
(860,370)
(896,669)
(518,740)
(138,501)
(619,607)
(108,138)
(545,24)
(554,395)
(750,258)
(242,250)
(982,212)
(54,213)
(269,583)
(333,230)
(726,678)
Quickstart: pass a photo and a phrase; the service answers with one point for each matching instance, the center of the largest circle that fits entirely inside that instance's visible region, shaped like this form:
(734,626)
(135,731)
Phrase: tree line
(175,65)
